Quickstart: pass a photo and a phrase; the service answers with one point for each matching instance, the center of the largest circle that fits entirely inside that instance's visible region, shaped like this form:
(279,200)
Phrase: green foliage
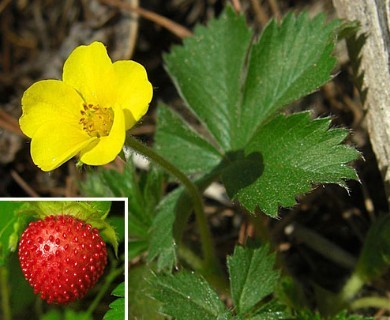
(68,314)
(10,228)
(252,277)
(143,194)
(162,242)
(185,295)
(117,308)
(141,304)
(374,258)
(171,217)
(309,315)
(284,159)
(271,311)
(208,72)
(172,128)
(236,88)
(118,223)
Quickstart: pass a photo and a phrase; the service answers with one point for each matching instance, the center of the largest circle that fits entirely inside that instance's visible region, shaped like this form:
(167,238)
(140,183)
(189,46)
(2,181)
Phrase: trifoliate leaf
(284,159)
(236,88)
(252,277)
(186,296)
(117,308)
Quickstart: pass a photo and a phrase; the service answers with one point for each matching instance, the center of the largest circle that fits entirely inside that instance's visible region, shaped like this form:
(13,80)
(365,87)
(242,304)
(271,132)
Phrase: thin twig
(237,5)
(168,24)
(133,34)
(23,184)
(275,9)
(4,5)
(260,14)
(9,123)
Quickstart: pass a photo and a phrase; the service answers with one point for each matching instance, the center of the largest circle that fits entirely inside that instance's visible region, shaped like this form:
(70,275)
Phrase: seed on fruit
(62,258)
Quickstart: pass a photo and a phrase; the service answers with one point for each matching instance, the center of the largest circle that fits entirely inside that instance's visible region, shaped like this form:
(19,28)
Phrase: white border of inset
(81,199)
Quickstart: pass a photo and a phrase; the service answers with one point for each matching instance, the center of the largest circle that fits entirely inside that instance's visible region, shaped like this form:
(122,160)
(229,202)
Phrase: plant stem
(190,257)
(108,280)
(5,303)
(209,256)
(351,287)
(371,302)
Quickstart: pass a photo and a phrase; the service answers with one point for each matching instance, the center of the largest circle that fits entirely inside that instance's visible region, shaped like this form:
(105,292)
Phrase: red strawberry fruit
(62,257)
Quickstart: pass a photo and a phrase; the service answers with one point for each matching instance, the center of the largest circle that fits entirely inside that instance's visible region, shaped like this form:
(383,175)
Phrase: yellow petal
(55,143)
(134,91)
(89,70)
(49,101)
(108,147)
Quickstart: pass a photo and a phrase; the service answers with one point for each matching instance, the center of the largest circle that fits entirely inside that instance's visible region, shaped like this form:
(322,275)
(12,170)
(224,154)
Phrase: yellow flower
(88,112)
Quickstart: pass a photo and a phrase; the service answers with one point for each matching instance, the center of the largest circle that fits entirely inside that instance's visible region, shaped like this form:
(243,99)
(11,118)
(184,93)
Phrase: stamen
(96,121)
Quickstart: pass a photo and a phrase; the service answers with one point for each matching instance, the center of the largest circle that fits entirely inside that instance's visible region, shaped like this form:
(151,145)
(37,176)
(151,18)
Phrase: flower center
(96,121)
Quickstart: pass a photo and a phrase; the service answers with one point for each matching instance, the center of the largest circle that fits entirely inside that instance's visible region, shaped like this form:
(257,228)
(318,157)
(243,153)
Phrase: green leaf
(162,242)
(252,277)
(143,192)
(117,308)
(114,183)
(271,311)
(286,157)
(186,296)
(289,61)
(175,138)
(231,94)
(118,223)
(236,88)
(10,227)
(152,189)
(208,72)
(171,217)
(137,247)
(374,258)
(141,304)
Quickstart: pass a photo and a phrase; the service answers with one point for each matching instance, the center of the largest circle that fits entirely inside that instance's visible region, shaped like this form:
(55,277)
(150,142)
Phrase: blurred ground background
(36,37)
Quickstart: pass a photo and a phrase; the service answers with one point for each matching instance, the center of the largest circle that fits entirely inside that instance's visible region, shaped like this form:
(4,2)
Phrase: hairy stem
(210,259)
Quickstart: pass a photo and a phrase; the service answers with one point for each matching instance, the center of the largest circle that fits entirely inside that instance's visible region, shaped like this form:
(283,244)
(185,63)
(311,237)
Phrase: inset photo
(63,259)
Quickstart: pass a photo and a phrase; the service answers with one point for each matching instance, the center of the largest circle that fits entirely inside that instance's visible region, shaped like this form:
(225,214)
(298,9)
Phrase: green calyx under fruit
(62,257)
